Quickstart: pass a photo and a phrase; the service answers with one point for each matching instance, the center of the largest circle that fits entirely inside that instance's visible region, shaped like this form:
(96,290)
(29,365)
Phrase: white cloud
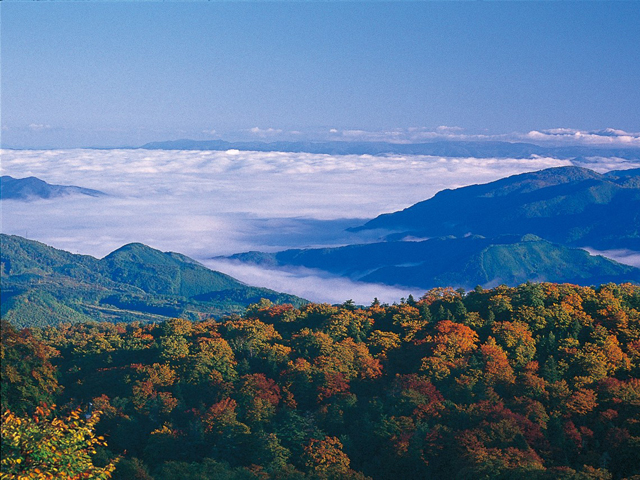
(626,257)
(313,285)
(265,132)
(606,137)
(445,129)
(39,127)
(206,203)
(605,164)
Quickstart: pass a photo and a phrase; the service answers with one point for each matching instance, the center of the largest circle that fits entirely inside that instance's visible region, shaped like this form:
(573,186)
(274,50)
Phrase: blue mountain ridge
(478,149)
(569,205)
(32,188)
(517,229)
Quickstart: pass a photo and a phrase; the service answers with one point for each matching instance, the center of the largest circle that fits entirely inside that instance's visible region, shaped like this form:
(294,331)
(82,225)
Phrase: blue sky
(126,73)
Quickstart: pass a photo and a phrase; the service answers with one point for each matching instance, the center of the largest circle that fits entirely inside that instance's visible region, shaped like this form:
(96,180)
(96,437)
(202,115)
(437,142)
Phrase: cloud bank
(608,137)
(206,203)
(313,285)
(626,257)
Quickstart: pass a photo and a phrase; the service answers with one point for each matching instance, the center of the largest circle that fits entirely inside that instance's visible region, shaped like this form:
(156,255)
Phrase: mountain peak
(141,253)
(43,286)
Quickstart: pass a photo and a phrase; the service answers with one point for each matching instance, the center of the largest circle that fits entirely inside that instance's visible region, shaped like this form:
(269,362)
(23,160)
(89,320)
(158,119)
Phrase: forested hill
(42,285)
(461,262)
(568,205)
(540,381)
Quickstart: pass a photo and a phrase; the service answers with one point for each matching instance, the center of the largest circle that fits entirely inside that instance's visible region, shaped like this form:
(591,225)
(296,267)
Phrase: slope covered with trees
(42,285)
(463,262)
(539,381)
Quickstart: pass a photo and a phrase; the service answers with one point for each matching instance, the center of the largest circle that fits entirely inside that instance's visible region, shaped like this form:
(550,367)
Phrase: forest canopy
(539,381)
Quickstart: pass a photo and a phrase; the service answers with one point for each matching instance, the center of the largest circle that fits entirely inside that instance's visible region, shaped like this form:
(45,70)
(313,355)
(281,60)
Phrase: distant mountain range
(32,188)
(460,262)
(511,231)
(42,285)
(569,205)
(489,149)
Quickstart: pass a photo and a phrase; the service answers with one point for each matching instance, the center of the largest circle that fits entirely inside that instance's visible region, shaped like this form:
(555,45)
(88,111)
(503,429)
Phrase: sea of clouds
(206,203)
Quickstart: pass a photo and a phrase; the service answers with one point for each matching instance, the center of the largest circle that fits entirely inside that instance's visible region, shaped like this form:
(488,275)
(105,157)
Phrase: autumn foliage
(539,381)
(47,446)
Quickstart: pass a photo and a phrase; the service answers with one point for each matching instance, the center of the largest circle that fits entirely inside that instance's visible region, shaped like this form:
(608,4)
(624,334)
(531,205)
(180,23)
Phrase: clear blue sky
(119,73)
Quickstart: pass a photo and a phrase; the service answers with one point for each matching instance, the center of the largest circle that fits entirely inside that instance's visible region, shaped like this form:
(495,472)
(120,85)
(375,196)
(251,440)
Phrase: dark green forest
(43,286)
(539,381)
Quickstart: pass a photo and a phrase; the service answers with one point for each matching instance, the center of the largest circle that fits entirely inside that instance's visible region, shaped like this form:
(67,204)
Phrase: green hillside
(461,262)
(530,259)
(42,286)
(161,273)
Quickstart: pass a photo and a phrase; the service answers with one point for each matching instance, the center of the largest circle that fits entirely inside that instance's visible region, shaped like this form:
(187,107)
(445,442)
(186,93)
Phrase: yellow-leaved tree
(47,447)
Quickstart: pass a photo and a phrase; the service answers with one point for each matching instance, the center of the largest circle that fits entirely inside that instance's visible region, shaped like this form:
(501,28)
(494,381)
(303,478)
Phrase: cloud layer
(204,203)
(313,285)
(608,137)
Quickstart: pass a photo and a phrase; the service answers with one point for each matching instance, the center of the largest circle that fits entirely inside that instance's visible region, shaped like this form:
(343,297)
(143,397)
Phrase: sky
(86,74)
(77,75)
